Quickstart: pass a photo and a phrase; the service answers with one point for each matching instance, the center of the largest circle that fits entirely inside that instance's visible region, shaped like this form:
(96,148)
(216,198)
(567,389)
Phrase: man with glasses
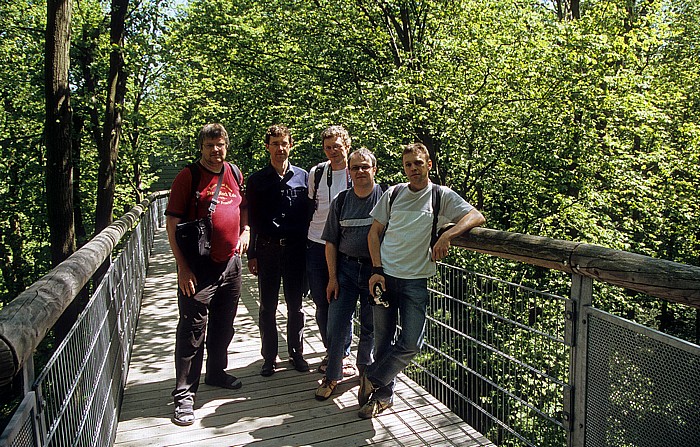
(277,198)
(349,267)
(326,180)
(208,289)
(403,258)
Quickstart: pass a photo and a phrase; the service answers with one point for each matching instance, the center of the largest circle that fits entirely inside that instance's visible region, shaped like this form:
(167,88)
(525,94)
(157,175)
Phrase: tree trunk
(111,133)
(59,178)
(80,232)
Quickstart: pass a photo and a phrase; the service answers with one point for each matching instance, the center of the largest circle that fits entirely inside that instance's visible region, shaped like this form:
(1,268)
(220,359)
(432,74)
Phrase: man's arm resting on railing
(472,219)
(186,281)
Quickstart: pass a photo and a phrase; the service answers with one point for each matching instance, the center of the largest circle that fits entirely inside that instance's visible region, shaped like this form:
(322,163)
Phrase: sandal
(323,366)
(349,370)
(183,416)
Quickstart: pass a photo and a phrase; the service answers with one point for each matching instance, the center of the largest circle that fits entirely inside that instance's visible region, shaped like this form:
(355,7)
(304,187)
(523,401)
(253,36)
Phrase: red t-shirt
(226,218)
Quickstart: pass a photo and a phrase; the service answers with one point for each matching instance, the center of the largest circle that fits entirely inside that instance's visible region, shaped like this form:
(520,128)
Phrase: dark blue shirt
(277,207)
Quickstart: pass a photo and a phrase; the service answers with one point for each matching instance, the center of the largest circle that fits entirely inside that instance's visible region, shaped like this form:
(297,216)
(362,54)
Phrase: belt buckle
(283,241)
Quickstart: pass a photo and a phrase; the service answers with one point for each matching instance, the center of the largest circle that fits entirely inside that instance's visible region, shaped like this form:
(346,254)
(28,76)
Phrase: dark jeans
(409,298)
(317,274)
(285,265)
(353,281)
(216,301)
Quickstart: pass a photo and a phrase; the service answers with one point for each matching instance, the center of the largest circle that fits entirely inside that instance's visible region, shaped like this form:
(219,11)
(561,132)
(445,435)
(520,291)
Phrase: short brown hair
(336,131)
(212,130)
(278,130)
(416,148)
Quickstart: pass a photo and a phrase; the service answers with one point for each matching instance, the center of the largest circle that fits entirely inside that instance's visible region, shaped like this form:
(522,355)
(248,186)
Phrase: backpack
(197,174)
(436,197)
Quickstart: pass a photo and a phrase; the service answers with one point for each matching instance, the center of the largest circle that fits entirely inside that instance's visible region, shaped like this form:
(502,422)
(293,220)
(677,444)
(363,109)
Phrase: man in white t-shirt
(402,262)
(326,180)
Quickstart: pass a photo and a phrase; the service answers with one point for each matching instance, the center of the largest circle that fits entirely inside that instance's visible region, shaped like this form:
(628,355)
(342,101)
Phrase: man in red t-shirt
(209,288)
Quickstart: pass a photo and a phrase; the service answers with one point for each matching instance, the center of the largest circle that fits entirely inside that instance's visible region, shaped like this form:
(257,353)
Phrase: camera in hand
(379,299)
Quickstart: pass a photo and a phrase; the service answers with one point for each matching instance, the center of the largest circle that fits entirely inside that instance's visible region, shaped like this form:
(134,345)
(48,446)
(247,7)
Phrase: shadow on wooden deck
(273,411)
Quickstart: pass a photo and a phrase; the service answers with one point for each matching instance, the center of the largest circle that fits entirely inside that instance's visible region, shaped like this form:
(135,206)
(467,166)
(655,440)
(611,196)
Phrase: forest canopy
(559,118)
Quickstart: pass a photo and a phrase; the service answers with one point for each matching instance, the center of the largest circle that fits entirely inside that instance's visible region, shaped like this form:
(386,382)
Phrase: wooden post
(582,296)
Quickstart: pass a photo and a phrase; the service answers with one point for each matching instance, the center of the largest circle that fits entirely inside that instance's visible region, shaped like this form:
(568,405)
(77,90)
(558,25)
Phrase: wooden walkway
(273,411)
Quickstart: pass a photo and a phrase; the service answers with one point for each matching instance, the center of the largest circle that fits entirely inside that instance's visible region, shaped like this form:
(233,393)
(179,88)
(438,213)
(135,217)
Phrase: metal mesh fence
(643,386)
(78,393)
(495,354)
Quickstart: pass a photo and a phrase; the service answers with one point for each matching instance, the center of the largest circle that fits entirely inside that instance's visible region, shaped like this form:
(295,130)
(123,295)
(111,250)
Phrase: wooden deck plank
(273,411)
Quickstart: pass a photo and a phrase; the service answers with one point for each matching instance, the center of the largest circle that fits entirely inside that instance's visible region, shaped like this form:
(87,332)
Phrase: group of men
(333,231)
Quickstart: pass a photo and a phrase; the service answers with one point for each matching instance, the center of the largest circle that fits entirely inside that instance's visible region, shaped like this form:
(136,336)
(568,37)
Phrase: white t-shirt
(324,198)
(405,249)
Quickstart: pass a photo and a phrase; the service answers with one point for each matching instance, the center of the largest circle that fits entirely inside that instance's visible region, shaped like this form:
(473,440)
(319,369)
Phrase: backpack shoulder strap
(237,174)
(318,175)
(436,196)
(395,192)
(196,174)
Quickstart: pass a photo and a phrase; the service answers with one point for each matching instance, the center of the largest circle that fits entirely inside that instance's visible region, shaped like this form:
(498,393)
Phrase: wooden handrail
(25,321)
(655,277)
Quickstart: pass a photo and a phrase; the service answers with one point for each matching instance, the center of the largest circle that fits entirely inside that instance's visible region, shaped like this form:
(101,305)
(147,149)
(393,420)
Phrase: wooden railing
(26,320)
(655,277)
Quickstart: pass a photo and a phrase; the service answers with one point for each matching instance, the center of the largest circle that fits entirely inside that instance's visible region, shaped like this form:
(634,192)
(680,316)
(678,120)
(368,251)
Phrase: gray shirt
(347,229)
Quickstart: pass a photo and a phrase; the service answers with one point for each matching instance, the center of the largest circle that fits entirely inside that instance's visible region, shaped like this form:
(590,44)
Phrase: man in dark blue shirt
(278,217)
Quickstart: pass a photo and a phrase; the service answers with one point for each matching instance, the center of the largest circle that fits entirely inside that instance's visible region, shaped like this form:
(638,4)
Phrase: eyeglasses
(210,146)
(360,168)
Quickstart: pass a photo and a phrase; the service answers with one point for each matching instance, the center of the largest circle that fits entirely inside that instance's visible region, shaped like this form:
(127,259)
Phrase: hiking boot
(373,408)
(299,363)
(366,390)
(326,388)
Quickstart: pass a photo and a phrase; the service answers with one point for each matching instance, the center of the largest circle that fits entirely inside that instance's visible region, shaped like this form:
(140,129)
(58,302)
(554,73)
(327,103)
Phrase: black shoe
(299,363)
(226,381)
(268,368)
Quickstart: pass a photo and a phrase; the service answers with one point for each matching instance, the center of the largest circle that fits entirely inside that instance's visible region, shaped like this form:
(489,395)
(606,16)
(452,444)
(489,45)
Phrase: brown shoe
(326,388)
(373,408)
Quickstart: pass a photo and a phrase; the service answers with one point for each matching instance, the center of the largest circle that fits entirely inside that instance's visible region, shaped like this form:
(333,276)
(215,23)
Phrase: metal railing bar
(500,353)
(501,318)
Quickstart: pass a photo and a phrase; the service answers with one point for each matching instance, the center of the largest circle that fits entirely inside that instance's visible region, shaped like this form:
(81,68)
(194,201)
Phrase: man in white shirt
(326,180)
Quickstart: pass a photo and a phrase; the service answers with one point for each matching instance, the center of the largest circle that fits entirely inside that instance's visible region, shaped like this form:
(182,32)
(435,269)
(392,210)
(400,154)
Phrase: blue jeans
(353,281)
(409,299)
(317,274)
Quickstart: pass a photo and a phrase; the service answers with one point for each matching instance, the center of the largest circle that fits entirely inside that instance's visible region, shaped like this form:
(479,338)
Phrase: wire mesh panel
(78,393)
(495,354)
(643,386)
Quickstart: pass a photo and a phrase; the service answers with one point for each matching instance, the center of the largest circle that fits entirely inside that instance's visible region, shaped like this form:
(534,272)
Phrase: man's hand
(243,241)
(186,280)
(441,248)
(253,266)
(332,290)
(374,279)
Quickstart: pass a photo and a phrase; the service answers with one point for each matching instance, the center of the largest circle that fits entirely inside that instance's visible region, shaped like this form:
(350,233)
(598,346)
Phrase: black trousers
(216,303)
(285,265)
